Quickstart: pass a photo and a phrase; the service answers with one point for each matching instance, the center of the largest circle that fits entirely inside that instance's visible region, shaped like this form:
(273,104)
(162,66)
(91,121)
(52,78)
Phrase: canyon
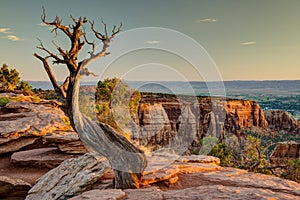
(36,137)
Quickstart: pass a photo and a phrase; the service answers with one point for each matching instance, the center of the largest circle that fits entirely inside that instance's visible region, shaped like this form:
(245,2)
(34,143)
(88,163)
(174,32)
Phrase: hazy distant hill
(286,87)
(284,95)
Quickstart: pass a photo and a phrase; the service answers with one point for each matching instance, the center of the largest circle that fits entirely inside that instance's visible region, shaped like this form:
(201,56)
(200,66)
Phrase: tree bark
(127,161)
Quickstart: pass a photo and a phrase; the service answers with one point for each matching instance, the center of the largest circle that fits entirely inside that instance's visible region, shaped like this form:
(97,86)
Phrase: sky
(189,39)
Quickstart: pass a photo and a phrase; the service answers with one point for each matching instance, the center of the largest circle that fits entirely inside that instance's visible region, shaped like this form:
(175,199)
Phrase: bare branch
(273,167)
(105,29)
(117,31)
(97,34)
(89,43)
(50,75)
(57,59)
(73,19)
(86,72)
(56,23)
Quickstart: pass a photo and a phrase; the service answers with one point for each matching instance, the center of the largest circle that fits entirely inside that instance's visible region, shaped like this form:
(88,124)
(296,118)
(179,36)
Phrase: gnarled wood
(127,161)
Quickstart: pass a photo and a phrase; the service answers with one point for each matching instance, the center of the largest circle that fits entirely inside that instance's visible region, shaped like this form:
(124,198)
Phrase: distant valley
(271,95)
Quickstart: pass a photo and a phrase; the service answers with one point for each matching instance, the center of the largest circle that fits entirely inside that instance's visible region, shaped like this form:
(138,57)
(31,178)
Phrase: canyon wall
(205,117)
(280,120)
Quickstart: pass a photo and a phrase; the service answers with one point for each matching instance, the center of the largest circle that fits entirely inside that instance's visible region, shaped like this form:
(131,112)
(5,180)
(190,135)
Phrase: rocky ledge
(167,176)
(29,125)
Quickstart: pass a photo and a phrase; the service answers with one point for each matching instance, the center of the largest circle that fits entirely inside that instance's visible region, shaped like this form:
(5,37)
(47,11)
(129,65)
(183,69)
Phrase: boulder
(41,158)
(72,177)
(10,188)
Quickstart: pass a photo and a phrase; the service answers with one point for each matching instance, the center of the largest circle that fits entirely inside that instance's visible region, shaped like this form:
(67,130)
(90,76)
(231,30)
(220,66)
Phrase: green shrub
(23,85)
(8,78)
(4,101)
(223,153)
(207,144)
(293,170)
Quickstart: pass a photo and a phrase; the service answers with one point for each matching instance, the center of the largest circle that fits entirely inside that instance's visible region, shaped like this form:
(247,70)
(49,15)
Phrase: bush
(223,153)
(8,78)
(207,144)
(115,103)
(293,170)
(4,101)
(23,85)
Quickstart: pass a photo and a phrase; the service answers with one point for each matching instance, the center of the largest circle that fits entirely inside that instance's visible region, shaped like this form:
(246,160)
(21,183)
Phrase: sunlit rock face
(170,122)
(285,151)
(154,127)
(280,120)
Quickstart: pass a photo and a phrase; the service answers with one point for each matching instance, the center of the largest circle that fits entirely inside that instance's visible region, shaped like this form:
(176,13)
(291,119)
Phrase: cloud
(153,42)
(12,37)
(248,43)
(5,30)
(207,20)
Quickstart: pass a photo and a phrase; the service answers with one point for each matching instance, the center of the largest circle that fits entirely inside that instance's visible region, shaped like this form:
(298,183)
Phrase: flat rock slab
(199,159)
(17,144)
(151,193)
(110,194)
(67,142)
(165,167)
(242,178)
(13,187)
(22,120)
(72,177)
(44,157)
(220,192)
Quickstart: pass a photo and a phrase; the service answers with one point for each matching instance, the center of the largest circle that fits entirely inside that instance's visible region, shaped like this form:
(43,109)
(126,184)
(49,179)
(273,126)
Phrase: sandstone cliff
(285,151)
(207,117)
(280,120)
(27,125)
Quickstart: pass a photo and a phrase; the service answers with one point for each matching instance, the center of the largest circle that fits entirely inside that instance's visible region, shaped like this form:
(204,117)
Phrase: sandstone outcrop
(285,151)
(28,125)
(48,157)
(67,142)
(13,188)
(154,126)
(71,178)
(243,114)
(280,120)
(109,194)
(21,123)
(206,117)
(173,177)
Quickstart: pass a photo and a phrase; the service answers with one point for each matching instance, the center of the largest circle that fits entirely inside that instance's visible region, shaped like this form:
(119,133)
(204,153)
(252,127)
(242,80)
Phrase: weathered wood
(127,161)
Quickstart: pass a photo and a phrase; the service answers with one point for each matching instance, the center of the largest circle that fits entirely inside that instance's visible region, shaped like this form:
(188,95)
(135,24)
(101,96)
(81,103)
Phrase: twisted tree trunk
(127,161)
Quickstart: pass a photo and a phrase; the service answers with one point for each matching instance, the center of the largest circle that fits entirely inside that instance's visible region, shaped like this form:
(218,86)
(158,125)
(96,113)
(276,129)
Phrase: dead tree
(127,161)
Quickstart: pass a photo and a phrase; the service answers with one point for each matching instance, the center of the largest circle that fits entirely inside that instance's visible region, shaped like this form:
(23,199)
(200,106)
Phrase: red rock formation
(212,116)
(285,151)
(280,120)
(243,114)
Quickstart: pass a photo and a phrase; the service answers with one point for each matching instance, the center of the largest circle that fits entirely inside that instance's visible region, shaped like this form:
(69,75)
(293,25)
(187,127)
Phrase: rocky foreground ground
(41,157)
